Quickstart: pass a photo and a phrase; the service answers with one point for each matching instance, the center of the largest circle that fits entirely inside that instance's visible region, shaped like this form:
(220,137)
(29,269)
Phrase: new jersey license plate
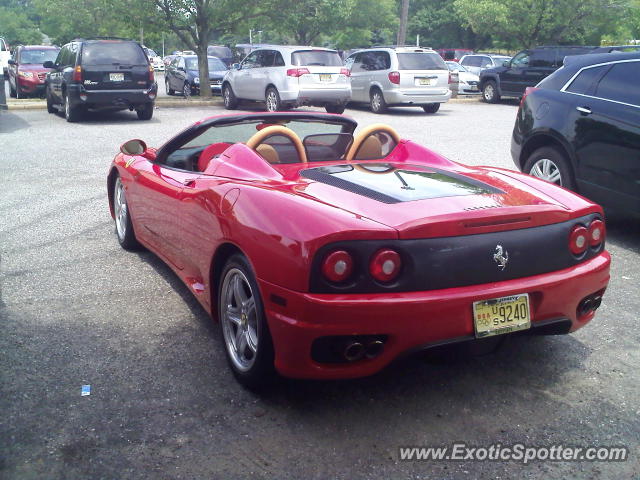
(425,81)
(501,315)
(116,77)
(325,77)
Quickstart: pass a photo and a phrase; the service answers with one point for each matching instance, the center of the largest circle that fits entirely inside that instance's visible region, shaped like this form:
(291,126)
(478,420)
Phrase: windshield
(151,53)
(110,53)
(456,67)
(215,64)
(420,61)
(220,52)
(37,57)
(309,58)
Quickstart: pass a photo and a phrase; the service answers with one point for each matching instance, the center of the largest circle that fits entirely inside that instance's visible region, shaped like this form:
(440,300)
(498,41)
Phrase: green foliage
(16,27)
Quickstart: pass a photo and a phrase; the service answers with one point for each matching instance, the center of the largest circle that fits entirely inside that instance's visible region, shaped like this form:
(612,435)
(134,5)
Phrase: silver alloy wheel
(227,96)
(547,170)
(488,92)
(239,319)
(67,107)
(376,101)
(186,90)
(272,101)
(120,209)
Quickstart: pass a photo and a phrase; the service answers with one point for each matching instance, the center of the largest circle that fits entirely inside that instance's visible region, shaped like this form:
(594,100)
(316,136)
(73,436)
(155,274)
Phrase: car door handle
(585,110)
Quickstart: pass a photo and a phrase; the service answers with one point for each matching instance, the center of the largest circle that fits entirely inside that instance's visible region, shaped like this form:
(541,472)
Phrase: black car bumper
(111,99)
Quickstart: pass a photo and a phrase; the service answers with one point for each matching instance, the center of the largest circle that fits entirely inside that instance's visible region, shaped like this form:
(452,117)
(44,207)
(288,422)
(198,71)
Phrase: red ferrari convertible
(327,254)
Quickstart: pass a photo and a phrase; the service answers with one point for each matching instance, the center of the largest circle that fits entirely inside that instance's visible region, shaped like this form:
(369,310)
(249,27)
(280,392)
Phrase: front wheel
(272,100)
(336,108)
(186,90)
(146,112)
(549,164)
(229,98)
(377,102)
(124,227)
(431,107)
(490,92)
(244,327)
(50,107)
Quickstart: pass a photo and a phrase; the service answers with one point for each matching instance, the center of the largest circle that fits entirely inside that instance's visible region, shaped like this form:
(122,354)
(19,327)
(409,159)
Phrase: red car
(325,254)
(26,73)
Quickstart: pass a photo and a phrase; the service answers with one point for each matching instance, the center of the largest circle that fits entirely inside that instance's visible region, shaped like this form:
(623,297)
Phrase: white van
(5,55)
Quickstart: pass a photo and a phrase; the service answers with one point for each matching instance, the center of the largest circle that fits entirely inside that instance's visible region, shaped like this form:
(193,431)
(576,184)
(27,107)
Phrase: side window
(382,60)
(474,61)
(544,58)
(60,57)
(349,61)
(585,80)
(279,61)
(73,53)
(266,58)
(521,60)
(368,61)
(619,83)
(252,60)
(486,62)
(357,64)
(181,63)
(3,46)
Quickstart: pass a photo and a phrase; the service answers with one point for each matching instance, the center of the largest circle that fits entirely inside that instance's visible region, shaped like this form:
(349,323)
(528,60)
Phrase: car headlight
(26,74)
(196,80)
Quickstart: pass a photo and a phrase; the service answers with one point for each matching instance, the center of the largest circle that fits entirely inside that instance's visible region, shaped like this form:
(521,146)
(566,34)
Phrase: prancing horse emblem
(501,257)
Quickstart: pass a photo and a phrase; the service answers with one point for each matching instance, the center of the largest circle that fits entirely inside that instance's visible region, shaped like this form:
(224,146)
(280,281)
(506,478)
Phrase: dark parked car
(525,69)
(182,75)
(101,74)
(26,75)
(580,128)
(223,53)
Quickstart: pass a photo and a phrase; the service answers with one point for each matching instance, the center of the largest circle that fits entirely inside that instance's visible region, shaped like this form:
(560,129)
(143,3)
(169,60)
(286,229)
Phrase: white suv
(399,76)
(283,76)
(5,55)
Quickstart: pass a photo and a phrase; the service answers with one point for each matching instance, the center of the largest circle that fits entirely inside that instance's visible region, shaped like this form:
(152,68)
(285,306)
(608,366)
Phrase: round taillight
(385,265)
(337,266)
(596,233)
(578,240)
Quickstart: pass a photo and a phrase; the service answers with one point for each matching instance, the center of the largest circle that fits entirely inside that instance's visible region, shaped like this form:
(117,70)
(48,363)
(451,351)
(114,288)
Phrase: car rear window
(308,58)
(220,52)
(215,64)
(109,53)
(421,61)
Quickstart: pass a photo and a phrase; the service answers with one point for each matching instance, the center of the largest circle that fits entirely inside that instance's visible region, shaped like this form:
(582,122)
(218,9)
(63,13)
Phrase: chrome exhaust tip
(354,351)
(374,349)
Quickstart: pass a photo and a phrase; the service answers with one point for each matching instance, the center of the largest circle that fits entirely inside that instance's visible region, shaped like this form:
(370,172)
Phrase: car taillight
(297,72)
(578,240)
(385,265)
(151,76)
(596,233)
(337,266)
(345,72)
(394,77)
(77,74)
(527,91)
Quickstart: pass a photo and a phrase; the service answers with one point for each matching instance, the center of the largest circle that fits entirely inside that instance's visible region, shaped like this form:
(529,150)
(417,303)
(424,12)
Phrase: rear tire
(50,107)
(71,114)
(377,102)
(272,100)
(229,98)
(336,108)
(146,112)
(490,92)
(431,107)
(550,164)
(186,90)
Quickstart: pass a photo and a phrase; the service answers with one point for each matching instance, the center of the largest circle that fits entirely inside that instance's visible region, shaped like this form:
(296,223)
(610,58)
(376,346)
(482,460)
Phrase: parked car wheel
(334,108)
(378,105)
(186,90)
(170,91)
(70,114)
(50,107)
(551,165)
(490,92)
(124,227)
(146,112)
(229,98)
(431,107)
(244,327)
(272,100)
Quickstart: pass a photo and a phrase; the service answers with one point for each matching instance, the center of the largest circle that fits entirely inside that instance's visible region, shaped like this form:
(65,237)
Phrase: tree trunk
(404,18)
(203,67)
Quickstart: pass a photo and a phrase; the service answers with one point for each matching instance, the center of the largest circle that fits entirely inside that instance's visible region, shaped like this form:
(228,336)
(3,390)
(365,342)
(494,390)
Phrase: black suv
(525,69)
(101,74)
(580,128)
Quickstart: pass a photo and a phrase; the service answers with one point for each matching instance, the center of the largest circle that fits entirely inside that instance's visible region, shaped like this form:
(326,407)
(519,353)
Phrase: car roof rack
(101,38)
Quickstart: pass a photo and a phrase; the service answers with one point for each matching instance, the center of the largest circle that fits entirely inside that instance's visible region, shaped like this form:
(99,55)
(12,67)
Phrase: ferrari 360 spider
(324,254)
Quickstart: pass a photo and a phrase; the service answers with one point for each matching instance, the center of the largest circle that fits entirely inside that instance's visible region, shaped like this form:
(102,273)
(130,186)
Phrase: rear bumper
(400,97)
(111,99)
(317,96)
(414,320)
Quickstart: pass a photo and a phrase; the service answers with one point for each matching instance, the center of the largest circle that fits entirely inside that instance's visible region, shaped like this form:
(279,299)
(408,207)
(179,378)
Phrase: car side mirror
(11,62)
(49,64)
(236,66)
(137,147)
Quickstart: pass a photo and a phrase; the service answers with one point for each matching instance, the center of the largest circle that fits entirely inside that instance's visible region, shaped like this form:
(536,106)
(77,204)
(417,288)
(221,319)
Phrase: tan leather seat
(373,147)
(267,152)
(370,149)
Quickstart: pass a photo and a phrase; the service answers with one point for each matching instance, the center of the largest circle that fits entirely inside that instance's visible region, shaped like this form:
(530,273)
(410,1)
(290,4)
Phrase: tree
(404,18)
(17,28)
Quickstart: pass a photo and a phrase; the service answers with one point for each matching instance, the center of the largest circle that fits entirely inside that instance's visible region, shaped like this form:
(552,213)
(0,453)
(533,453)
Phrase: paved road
(76,309)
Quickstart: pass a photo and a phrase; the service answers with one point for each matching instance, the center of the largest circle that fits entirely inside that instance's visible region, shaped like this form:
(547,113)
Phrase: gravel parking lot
(76,309)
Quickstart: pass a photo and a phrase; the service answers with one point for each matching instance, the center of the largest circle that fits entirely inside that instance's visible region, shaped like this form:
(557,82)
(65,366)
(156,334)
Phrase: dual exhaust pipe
(355,351)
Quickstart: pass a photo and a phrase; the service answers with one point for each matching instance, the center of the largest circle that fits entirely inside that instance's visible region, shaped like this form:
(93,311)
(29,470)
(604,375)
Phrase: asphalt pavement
(76,309)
